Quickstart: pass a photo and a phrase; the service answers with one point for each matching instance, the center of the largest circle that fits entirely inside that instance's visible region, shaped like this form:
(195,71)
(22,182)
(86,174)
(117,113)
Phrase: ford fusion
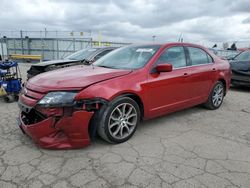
(68,107)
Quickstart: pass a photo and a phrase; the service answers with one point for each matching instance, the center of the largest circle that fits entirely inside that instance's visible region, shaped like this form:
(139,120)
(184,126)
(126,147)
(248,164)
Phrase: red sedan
(65,108)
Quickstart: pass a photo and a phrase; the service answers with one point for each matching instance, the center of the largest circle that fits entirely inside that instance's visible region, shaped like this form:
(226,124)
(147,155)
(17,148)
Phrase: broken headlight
(58,99)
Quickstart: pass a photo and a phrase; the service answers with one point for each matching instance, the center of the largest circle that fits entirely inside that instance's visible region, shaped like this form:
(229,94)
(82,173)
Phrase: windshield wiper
(87,62)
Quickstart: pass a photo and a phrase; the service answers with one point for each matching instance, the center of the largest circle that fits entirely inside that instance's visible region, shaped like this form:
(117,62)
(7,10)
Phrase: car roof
(183,44)
(170,44)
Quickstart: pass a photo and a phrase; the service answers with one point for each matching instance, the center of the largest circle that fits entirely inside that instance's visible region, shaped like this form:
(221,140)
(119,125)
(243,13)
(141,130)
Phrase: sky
(197,21)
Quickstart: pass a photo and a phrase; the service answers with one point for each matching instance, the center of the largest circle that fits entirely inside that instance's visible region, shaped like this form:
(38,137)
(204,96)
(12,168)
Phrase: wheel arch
(224,84)
(92,129)
(137,99)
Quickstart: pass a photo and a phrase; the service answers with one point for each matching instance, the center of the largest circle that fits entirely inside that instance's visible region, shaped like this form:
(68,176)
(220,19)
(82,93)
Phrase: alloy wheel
(122,121)
(218,94)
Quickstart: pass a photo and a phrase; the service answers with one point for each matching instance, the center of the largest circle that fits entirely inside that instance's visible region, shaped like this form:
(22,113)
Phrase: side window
(174,56)
(198,56)
(102,54)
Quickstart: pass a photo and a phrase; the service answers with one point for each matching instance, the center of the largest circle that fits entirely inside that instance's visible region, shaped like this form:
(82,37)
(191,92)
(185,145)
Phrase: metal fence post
(14,44)
(2,48)
(21,35)
(28,45)
(74,44)
(42,45)
(53,48)
(6,41)
(57,48)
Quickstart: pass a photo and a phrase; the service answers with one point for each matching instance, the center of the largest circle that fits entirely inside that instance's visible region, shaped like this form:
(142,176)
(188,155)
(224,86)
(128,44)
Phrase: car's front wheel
(119,120)
(216,96)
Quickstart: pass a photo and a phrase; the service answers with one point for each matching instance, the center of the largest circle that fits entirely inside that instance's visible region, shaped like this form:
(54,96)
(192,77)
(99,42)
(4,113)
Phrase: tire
(216,96)
(16,97)
(9,98)
(119,120)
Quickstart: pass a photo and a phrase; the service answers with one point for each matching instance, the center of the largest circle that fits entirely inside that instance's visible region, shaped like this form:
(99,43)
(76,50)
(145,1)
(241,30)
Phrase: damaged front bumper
(56,132)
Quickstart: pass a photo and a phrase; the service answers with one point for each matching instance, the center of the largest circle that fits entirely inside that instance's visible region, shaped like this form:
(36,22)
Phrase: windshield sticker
(144,50)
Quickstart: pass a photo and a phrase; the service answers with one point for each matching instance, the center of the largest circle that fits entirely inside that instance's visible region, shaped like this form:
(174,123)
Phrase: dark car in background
(225,54)
(240,66)
(86,56)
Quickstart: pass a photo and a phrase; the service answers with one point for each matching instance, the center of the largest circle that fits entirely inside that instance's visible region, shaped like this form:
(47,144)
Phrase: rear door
(202,73)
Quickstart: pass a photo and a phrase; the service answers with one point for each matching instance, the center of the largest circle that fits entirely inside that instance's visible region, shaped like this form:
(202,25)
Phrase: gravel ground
(191,148)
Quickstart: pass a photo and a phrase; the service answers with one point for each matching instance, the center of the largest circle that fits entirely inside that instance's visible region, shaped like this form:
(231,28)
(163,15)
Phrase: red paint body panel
(160,93)
(27,100)
(75,77)
(68,132)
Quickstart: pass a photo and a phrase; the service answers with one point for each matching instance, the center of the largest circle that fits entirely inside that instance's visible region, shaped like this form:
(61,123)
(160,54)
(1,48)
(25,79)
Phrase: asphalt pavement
(191,148)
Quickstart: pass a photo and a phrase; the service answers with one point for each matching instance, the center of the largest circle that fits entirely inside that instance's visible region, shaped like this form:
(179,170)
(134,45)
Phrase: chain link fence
(52,45)
(49,44)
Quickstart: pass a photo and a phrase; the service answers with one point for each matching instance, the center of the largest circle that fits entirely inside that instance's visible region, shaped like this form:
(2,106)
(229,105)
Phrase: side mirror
(164,67)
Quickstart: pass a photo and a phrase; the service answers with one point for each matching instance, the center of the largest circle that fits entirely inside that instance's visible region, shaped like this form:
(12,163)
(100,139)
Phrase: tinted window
(174,56)
(198,56)
(244,56)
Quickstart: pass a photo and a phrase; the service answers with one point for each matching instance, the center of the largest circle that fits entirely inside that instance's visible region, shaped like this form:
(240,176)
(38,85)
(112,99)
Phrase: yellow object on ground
(26,56)
(2,92)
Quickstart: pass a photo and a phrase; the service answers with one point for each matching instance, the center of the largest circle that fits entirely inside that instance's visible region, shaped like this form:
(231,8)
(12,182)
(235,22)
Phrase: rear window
(199,56)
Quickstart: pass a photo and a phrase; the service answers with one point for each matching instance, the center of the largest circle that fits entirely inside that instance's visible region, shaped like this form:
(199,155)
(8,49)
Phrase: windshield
(82,54)
(244,56)
(129,57)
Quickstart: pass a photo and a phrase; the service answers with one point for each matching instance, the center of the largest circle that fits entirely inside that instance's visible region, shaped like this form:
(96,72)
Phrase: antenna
(180,38)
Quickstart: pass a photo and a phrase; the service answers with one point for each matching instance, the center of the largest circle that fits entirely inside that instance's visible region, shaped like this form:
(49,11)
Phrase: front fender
(110,89)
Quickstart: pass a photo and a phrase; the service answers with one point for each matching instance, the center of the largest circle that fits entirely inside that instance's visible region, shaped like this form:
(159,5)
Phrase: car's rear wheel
(216,96)
(119,120)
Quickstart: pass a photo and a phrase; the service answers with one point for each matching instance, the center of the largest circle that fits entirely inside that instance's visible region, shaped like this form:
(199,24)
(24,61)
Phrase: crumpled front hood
(54,62)
(77,77)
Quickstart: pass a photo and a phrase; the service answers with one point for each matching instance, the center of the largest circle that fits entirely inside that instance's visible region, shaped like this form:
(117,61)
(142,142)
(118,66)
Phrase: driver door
(167,91)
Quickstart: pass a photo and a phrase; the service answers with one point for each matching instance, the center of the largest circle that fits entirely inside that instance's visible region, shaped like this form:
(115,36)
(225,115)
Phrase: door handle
(185,74)
(214,69)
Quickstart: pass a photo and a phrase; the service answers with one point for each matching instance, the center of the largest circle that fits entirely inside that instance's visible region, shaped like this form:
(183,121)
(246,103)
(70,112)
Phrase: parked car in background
(86,56)
(213,50)
(240,66)
(225,54)
(65,108)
